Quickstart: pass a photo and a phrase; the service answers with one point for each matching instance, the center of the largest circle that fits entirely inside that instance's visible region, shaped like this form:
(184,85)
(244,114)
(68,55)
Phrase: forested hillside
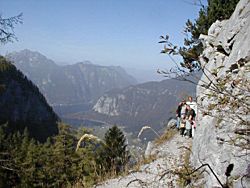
(23,106)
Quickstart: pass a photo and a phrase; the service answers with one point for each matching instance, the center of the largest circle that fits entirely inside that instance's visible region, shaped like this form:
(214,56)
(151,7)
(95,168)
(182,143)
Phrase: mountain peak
(28,56)
(75,83)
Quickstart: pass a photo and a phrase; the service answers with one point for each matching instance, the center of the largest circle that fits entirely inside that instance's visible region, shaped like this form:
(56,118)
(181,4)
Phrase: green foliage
(16,91)
(114,154)
(168,135)
(4,64)
(215,10)
(25,162)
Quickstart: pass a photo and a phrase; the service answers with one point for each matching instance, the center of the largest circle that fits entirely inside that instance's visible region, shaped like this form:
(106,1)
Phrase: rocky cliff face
(151,103)
(71,84)
(222,135)
(22,105)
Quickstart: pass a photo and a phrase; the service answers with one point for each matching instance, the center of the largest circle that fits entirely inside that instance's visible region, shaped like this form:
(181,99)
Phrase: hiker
(193,105)
(189,121)
(178,114)
(183,108)
(182,124)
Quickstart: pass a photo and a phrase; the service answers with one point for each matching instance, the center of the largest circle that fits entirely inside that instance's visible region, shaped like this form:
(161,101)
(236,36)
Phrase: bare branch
(7,26)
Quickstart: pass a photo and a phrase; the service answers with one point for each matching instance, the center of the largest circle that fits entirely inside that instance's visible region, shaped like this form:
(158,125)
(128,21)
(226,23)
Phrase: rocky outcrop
(78,83)
(151,103)
(167,159)
(23,106)
(147,97)
(223,92)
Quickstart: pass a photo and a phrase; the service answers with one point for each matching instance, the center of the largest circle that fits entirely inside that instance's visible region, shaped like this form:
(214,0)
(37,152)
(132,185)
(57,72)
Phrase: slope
(22,105)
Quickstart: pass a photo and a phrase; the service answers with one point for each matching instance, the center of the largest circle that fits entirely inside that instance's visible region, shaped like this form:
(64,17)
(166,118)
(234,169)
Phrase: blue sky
(107,32)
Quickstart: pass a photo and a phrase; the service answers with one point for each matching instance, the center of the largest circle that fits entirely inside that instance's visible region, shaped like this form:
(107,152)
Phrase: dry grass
(145,128)
(184,173)
(168,135)
(100,178)
(87,137)
(149,159)
(142,161)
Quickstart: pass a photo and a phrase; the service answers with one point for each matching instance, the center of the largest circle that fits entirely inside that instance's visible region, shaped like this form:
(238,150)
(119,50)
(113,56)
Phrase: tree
(7,26)
(192,49)
(115,155)
(63,155)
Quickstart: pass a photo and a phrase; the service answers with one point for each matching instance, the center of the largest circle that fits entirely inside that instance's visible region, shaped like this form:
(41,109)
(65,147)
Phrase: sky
(106,32)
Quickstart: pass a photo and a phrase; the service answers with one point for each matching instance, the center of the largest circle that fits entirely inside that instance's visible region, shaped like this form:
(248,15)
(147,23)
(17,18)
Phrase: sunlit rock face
(226,59)
(150,103)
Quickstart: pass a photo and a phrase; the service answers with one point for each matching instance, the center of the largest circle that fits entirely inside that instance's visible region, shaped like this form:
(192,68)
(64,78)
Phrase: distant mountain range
(80,83)
(85,93)
(23,106)
(151,103)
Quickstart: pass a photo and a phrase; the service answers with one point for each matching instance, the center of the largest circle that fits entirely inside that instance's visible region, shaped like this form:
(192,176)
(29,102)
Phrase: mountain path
(157,174)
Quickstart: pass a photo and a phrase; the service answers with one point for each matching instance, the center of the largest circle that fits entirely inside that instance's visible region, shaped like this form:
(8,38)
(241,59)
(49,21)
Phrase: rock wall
(224,104)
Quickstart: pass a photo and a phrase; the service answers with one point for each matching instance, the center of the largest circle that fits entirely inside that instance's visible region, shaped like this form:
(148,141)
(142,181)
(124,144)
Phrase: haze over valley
(119,94)
(86,94)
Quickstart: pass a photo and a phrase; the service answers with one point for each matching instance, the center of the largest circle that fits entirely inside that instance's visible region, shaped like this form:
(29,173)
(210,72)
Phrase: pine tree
(215,10)
(115,154)
(192,48)
(64,152)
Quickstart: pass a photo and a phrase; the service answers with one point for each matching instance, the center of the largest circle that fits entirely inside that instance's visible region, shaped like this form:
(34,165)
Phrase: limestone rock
(160,172)
(172,124)
(227,55)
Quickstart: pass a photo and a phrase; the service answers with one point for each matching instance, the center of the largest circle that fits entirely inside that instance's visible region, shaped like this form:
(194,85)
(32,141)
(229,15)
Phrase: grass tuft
(168,135)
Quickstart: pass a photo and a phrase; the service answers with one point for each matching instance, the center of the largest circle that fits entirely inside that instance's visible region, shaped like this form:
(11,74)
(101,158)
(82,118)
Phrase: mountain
(80,83)
(22,105)
(151,103)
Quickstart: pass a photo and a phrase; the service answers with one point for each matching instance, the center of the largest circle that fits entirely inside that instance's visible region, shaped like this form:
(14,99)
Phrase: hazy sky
(107,32)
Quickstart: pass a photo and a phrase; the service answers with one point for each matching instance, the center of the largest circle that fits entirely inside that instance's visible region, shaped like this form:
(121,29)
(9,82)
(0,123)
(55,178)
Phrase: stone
(172,124)
(213,142)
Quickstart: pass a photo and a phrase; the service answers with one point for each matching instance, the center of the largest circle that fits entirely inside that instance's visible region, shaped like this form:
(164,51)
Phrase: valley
(93,96)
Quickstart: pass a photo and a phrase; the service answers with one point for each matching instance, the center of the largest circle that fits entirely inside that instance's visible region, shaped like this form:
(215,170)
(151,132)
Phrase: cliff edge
(222,135)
